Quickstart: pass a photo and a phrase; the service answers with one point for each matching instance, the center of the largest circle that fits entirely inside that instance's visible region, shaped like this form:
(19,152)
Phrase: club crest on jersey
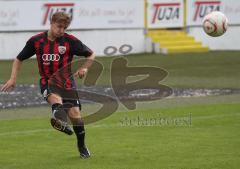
(61,49)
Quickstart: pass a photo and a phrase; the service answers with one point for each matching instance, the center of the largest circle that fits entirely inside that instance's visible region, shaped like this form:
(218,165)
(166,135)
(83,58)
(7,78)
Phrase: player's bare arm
(11,83)
(81,72)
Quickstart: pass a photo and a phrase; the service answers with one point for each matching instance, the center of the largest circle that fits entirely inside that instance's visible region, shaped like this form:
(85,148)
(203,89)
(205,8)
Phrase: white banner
(165,13)
(94,14)
(197,9)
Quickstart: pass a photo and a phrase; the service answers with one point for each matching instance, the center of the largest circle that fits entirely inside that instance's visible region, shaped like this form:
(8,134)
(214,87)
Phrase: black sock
(56,106)
(78,127)
(60,112)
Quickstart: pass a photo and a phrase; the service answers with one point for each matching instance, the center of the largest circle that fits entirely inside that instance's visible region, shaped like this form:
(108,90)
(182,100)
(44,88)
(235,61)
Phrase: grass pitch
(189,136)
(193,133)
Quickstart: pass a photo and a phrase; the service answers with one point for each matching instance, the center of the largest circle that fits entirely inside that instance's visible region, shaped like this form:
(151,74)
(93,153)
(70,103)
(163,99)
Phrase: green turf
(195,133)
(203,70)
(196,137)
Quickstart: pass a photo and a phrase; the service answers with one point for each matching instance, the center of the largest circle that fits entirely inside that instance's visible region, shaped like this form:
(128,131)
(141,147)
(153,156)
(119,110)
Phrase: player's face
(58,29)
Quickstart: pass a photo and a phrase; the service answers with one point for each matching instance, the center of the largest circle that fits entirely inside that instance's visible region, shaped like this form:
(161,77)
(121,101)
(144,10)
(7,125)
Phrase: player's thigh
(74,108)
(74,113)
(54,98)
(49,96)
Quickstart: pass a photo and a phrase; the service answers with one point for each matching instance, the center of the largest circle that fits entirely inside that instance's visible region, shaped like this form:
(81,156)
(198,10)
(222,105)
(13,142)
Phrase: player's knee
(77,122)
(74,113)
(53,98)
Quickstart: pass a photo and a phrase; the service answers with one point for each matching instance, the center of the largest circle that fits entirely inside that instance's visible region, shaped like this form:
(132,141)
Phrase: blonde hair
(61,17)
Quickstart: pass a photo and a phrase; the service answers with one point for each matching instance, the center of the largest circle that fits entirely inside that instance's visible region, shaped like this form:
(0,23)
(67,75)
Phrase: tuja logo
(166,11)
(51,8)
(50,57)
(202,8)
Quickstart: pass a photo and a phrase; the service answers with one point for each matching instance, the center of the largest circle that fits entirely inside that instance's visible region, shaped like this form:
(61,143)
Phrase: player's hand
(81,72)
(9,85)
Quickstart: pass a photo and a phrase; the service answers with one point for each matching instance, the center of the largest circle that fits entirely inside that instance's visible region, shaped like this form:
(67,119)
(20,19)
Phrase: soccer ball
(215,24)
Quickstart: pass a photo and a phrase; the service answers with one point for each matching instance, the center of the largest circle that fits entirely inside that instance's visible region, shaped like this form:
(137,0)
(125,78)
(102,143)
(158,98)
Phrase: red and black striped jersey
(54,56)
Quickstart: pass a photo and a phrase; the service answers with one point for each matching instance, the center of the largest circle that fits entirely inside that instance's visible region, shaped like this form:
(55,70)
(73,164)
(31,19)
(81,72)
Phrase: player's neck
(50,36)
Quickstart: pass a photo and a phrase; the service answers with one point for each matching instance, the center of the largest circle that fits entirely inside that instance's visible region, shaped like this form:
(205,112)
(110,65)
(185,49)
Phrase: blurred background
(170,26)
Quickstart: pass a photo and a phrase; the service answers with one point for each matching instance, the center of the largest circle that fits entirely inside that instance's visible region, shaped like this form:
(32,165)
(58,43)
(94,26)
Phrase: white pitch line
(24,132)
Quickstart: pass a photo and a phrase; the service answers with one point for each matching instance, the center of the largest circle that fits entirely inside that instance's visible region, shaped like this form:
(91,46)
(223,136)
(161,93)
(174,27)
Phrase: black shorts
(68,102)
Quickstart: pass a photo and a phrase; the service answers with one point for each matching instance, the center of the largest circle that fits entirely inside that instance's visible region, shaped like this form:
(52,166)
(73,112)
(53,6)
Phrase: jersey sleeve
(28,51)
(80,49)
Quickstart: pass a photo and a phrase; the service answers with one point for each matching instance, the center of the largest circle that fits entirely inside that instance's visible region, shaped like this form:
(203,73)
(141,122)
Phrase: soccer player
(54,50)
